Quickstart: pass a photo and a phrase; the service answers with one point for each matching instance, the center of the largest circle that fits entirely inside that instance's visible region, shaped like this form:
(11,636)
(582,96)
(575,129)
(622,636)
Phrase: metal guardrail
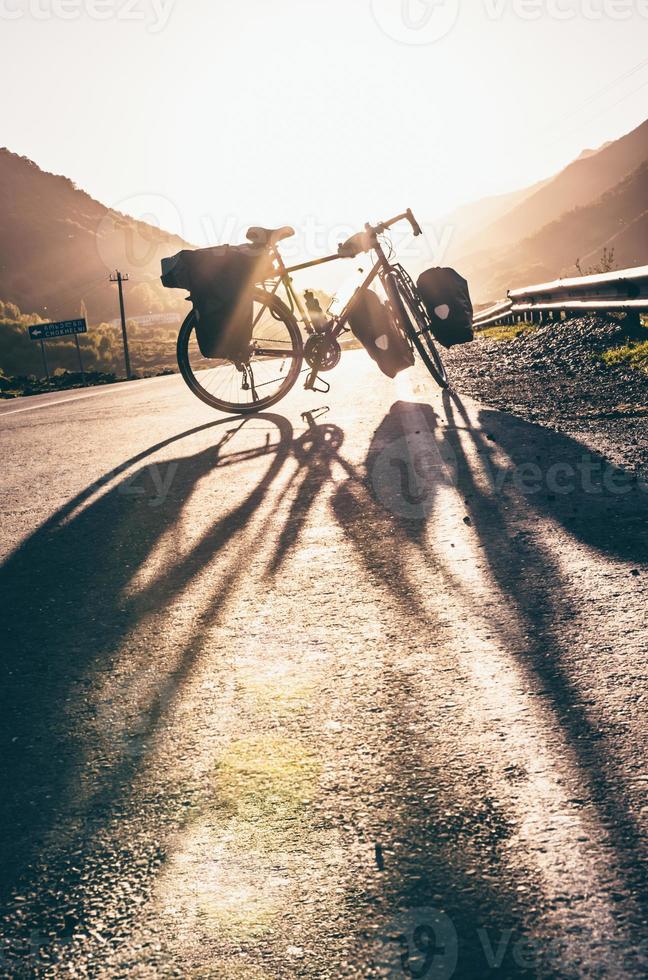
(625,291)
(494,314)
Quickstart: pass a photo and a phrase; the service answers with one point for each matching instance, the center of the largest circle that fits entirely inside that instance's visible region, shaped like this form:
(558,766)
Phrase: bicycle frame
(336,325)
(321,350)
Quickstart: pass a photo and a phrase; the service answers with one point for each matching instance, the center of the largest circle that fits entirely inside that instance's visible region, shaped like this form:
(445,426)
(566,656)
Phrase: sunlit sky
(208,116)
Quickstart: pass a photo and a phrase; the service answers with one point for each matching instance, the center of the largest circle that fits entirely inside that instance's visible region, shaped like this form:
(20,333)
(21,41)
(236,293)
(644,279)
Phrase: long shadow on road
(506,471)
(67,609)
(600,506)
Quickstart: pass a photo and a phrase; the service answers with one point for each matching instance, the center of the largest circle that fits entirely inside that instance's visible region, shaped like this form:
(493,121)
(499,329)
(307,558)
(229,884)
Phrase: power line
(601,111)
(618,102)
(599,92)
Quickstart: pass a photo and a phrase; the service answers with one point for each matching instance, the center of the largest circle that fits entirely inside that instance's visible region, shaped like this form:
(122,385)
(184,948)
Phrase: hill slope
(598,200)
(581,183)
(468,220)
(618,220)
(58,246)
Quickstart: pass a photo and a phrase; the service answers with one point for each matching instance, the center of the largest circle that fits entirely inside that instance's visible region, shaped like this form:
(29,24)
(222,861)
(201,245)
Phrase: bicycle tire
(280,312)
(414,324)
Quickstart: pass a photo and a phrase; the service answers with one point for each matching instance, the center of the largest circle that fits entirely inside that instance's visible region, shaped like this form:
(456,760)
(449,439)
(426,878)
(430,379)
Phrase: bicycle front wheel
(414,323)
(268,372)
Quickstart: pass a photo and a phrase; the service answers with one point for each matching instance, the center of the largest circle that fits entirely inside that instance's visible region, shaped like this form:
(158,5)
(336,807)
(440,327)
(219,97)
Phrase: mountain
(578,184)
(466,221)
(58,246)
(590,153)
(617,220)
(571,216)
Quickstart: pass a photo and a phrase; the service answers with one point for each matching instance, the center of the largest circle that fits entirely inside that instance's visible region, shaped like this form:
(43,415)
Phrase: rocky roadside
(556,376)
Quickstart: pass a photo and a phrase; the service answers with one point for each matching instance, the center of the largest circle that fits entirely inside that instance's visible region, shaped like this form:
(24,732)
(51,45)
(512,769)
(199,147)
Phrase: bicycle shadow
(529,578)
(70,605)
(66,631)
(316,452)
(602,507)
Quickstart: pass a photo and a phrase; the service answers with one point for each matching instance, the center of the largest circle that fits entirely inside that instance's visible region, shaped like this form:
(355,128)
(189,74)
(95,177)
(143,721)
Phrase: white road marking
(77,398)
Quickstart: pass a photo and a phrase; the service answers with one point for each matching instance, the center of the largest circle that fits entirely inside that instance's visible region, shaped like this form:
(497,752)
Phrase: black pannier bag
(447,300)
(372,324)
(220,281)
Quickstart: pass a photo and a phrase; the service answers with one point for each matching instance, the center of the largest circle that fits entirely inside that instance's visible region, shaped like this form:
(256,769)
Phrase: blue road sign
(46,331)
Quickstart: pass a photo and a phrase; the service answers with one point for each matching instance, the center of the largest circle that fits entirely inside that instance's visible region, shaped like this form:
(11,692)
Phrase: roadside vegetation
(633,354)
(14,387)
(607,263)
(152,350)
(507,332)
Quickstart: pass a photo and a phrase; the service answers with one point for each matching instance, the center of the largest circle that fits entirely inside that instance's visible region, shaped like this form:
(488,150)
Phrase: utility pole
(83,377)
(119,278)
(45,361)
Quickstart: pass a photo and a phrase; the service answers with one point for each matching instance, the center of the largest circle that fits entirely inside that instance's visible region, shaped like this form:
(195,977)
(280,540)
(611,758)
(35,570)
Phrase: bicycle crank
(322,353)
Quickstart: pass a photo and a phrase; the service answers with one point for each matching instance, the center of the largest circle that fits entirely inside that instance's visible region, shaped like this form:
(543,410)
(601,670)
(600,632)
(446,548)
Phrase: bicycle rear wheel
(267,374)
(414,323)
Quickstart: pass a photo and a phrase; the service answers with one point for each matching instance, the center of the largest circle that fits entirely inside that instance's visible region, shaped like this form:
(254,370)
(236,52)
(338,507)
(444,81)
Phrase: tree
(606,264)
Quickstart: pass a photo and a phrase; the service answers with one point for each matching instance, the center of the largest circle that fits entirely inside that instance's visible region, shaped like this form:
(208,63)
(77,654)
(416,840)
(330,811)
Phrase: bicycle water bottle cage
(362,242)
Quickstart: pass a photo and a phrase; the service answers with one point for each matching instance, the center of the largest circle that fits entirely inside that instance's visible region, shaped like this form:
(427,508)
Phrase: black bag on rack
(372,324)
(220,281)
(447,300)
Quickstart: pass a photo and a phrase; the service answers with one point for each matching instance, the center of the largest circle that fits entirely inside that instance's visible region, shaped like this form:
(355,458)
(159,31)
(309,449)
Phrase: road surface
(356,694)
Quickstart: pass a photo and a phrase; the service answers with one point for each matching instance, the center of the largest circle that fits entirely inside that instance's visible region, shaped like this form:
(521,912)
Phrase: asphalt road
(358,694)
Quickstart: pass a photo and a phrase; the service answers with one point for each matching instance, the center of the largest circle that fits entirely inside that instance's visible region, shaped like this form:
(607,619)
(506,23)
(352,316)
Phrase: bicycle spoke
(269,370)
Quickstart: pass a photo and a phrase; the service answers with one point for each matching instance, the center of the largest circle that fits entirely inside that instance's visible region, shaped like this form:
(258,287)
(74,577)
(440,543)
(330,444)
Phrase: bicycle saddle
(269,236)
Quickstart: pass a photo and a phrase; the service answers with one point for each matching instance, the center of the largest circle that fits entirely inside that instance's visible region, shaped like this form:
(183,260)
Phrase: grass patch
(633,354)
(508,332)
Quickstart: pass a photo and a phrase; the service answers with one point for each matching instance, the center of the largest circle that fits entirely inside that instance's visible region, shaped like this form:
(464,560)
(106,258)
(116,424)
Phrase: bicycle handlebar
(365,240)
(406,215)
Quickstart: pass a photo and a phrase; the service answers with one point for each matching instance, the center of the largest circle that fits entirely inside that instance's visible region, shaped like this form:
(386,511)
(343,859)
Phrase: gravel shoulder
(555,376)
